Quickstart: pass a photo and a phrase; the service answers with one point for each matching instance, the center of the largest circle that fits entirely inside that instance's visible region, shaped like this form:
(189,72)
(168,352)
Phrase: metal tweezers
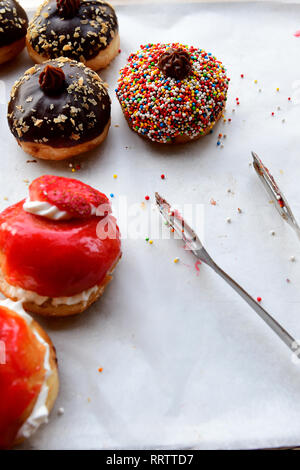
(192,241)
(275,193)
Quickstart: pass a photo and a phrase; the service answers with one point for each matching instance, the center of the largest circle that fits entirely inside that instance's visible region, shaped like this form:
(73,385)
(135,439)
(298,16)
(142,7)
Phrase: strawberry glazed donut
(28,375)
(59,247)
(13,28)
(172,93)
(59,109)
(83,30)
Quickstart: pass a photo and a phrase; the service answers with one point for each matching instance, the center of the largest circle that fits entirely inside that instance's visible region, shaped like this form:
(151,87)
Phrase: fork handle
(264,315)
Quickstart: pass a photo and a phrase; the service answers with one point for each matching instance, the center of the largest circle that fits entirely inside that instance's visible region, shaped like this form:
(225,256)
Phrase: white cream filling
(40,412)
(49,211)
(30,296)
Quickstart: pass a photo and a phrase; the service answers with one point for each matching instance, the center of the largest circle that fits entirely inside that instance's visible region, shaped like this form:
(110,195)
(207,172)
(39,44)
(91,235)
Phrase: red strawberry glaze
(67,194)
(21,377)
(54,259)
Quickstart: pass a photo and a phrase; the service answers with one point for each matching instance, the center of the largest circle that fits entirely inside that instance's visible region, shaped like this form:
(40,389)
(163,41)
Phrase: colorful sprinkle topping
(162,108)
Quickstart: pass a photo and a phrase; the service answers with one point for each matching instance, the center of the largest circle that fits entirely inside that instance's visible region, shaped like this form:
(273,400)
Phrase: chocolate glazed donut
(83,30)
(59,109)
(13,28)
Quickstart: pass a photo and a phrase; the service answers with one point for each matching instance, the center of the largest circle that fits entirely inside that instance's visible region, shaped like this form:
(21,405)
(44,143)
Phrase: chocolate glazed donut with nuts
(83,30)
(59,109)
(13,28)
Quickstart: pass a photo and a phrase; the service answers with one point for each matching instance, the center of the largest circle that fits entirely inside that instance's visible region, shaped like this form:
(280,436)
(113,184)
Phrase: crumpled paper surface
(186,363)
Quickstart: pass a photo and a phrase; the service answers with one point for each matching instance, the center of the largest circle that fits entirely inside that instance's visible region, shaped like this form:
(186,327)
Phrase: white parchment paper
(186,363)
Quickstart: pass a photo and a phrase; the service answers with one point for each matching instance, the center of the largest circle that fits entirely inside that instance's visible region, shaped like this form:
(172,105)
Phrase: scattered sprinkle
(292,259)
(258,299)
(100,369)
(239,210)
(151,242)
(176,260)
(162,177)
(197,264)
(112,195)
(60,411)
(228,220)
(147,198)
(213,202)
(272,233)
(115,176)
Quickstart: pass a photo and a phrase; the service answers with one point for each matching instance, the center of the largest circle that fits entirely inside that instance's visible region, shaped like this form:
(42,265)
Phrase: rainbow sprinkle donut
(172,93)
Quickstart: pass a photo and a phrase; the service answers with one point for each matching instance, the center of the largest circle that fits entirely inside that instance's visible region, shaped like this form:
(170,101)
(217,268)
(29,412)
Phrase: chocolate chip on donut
(83,30)
(175,63)
(59,109)
(68,8)
(13,28)
(52,80)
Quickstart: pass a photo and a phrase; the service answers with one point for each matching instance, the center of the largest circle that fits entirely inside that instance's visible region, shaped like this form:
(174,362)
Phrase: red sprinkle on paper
(258,299)
(197,264)
(297,33)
